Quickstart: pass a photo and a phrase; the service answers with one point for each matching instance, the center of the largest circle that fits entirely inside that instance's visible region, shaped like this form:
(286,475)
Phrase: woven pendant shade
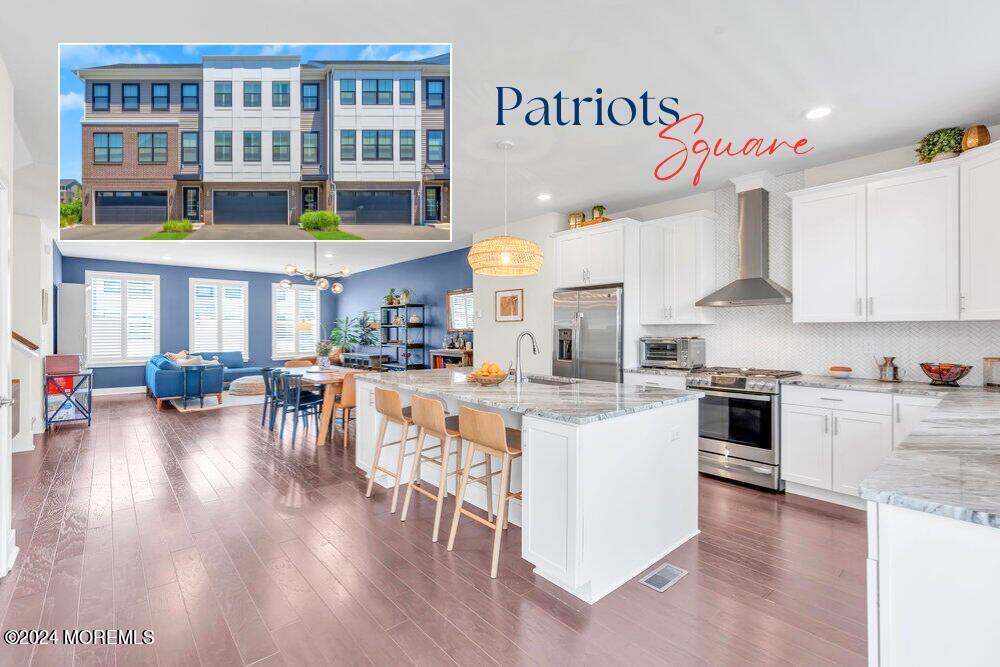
(505,256)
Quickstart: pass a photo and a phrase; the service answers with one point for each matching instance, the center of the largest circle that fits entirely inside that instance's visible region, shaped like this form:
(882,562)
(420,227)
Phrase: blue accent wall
(428,277)
(174,309)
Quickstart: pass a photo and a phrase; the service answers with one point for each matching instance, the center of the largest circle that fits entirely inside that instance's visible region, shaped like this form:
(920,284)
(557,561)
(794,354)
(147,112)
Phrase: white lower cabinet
(860,442)
(806,445)
(908,411)
(656,380)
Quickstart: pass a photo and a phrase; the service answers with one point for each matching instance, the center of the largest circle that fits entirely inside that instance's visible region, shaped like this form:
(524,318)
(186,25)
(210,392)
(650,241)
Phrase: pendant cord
(506,152)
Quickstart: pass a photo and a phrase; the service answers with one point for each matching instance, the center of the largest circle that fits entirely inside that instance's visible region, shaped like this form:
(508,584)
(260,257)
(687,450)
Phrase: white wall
(495,340)
(265,119)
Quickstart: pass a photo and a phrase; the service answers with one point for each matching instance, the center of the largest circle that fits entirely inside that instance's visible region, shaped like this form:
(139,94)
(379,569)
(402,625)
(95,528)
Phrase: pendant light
(505,255)
(322,282)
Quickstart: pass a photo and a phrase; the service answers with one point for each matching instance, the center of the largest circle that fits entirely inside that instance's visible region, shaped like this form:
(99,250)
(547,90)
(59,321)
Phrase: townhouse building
(262,139)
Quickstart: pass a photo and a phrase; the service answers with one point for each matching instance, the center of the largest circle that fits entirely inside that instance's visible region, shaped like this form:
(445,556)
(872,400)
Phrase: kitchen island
(609,472)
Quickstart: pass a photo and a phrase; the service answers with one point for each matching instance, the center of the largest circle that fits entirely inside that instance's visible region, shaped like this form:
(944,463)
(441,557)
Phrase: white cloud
(190,49)
(70,101)
(391,52)
(93,55)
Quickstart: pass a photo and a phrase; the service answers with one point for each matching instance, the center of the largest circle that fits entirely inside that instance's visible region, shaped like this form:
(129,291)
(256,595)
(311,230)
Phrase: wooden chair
(429,417)
(388,404)
(347,401)
(298,363)
(485,432)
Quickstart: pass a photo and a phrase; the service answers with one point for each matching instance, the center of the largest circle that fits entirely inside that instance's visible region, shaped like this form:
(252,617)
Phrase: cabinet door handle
(898,409)
(859,306)
(826,424)
(835,400)
(871,306)
(835,424)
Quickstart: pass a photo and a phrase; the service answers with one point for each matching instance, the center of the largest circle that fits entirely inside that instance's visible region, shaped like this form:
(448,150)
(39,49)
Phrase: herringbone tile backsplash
(765,337)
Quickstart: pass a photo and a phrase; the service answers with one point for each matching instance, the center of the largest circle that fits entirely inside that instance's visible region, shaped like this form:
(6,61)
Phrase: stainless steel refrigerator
(588,333)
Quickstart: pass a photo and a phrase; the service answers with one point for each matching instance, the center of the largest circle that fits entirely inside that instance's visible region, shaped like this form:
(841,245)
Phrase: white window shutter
(122,318)
(289,307)
(218,316)
(105,319)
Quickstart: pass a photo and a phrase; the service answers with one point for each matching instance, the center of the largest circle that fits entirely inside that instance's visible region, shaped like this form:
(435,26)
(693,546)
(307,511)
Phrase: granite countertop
(658,371)
(950,464)
(580,402)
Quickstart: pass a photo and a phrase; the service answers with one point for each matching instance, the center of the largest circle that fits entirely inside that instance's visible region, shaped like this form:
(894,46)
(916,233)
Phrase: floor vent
(663,577)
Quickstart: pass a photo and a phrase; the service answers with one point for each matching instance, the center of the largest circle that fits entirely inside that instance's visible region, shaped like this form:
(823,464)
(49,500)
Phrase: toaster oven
(672,352)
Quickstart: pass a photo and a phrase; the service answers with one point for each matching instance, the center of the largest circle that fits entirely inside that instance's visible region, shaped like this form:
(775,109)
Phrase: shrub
(322,221)
(177,226)
(70,213)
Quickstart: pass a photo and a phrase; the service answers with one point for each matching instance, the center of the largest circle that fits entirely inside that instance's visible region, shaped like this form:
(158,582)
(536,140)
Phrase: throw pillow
(190,361)
(174,356)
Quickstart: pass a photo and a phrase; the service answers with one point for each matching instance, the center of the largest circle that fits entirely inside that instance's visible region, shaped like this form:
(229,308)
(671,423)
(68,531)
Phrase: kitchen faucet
(518,376)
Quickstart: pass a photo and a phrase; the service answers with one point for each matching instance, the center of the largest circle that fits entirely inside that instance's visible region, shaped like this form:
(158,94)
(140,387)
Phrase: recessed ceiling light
(818,112)
(328,255)
(166,257)
(544,196)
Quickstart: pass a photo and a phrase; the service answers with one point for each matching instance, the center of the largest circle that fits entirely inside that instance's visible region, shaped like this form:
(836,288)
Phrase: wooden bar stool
(428,414)
(347,401)
(388,404)
(485,432)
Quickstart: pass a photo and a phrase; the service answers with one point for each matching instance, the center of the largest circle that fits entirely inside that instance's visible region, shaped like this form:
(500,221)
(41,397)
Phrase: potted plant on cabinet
(404,296)
(345,334)
(390,296)
(940,145)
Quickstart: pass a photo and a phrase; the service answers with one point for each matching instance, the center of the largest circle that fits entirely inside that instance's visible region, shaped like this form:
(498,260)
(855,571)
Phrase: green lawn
(336,235)
(167,236)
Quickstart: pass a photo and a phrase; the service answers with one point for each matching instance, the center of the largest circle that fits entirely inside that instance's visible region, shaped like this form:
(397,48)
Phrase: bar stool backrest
(428,413)
(388,403)
(348,392)
(483,428)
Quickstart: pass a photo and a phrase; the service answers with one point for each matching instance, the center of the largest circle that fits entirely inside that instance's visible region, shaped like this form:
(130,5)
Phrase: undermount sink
(548,381)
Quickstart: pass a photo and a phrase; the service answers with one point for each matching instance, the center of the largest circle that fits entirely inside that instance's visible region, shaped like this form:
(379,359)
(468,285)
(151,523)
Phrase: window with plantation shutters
(295,322)
(123,318)
(217,315)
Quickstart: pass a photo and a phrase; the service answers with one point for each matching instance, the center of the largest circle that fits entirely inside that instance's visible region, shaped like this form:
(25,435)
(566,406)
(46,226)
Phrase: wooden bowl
(945,374)
(487,380)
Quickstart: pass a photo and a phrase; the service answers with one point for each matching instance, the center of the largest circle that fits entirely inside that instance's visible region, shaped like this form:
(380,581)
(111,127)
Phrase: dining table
(331,380)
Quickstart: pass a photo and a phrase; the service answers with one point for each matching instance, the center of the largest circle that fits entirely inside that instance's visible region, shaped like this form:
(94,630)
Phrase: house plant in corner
(940,145)
(345,334)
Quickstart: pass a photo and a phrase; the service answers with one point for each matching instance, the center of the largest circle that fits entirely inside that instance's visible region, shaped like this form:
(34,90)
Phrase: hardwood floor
(236,548)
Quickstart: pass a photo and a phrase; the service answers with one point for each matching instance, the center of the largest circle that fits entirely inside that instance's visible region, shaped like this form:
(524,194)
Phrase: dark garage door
(251,207)
(124,208)
(359,206)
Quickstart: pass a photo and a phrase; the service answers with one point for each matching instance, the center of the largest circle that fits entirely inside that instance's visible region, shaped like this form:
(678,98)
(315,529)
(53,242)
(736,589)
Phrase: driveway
(391,232)
(107,232)
(250,233)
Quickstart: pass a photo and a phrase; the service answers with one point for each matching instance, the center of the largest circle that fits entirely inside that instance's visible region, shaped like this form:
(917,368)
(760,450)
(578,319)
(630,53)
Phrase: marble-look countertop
(950,464)
(580,402)
(658,371)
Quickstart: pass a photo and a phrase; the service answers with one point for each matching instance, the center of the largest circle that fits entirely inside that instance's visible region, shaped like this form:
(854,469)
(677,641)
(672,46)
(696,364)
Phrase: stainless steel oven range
(739,424)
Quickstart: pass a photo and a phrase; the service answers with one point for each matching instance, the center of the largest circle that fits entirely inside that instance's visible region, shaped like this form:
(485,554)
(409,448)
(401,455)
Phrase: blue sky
(91,55)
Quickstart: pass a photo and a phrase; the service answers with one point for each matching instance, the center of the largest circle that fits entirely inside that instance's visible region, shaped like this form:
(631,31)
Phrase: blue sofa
(233,363)
(165,380)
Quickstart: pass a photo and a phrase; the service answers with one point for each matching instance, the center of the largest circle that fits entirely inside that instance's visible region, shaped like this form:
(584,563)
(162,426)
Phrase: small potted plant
(940,145)
(323,350)
(390,296)
(597,212)
(404,296)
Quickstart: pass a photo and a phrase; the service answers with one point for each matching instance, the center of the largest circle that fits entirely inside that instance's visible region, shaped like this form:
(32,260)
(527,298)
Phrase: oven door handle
(733,394)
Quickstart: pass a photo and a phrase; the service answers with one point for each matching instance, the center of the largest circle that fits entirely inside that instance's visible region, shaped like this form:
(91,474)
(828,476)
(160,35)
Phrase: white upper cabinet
(979,178)
(828,261)
(594,256)
(677,267)
(912,225)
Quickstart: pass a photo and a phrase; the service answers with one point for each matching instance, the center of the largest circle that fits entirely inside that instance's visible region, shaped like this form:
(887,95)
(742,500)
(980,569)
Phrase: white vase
(944,156)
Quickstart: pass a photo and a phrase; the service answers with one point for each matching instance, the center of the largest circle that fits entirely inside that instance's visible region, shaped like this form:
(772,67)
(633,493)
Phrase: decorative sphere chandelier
(505,255)
(323,282)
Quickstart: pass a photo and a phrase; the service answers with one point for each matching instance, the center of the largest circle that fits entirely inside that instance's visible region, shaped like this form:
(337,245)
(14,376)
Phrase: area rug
(212,403)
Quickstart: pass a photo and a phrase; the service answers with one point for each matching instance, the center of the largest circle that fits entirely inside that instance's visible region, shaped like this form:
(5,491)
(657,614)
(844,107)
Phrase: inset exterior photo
(256,142)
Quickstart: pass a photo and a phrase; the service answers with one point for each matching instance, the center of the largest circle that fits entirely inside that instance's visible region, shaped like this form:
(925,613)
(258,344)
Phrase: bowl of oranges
(487,374)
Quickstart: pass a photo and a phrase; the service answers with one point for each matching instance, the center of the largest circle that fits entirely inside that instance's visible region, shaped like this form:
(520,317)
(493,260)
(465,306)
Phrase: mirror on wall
(460,310)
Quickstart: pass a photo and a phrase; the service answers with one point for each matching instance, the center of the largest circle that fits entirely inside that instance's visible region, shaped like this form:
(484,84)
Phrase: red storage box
(54,383)
(56,364)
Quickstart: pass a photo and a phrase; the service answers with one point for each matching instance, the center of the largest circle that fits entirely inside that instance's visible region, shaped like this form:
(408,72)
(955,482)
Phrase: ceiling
(752,69)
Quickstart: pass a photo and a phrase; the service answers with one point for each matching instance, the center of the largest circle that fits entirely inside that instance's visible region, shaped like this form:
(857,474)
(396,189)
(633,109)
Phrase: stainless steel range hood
(754,287)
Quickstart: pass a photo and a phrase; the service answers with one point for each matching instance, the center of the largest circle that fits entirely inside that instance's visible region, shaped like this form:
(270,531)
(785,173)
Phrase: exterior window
(130,97)
(161,96)
(280,146)
(123,318)
(310,147)
(280,96)
(435,145)
(310,96)
(348,147)
(251,94)
(101,96)
(385,91)
(291,307)
(218,316)
(407,148)
(189,147)
(223,94)
(152,147)
(348,91)
(376,145)
(107,147)
(435,92)
(189,96)
(223,146)
(406,92)
(251,146)
(369,91)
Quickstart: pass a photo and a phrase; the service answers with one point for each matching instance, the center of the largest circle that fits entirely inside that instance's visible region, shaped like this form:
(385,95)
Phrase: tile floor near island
(237,548)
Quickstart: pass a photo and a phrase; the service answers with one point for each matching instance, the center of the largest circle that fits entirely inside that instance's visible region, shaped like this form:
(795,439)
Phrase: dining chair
(302,403)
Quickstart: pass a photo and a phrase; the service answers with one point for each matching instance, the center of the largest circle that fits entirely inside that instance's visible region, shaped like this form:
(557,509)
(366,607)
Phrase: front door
(8,551)
(432,203)
(192,204)
(310,199)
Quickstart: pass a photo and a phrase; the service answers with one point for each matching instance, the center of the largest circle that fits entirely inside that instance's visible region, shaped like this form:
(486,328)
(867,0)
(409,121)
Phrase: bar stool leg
(378,454)
(501,514)
(414,471)
(442,485)
(399,467)
(489,485)
(460,496)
